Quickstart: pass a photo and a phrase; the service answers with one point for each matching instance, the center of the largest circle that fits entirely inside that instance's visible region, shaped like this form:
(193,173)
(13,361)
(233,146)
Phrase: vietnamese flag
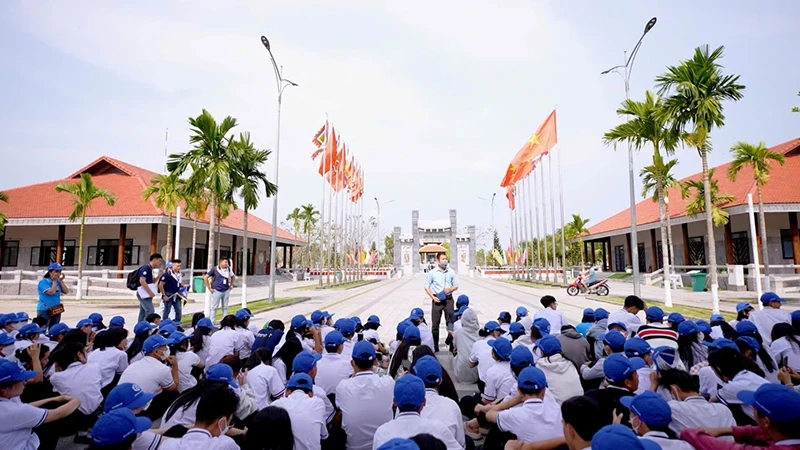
(331,153)
(511,196)
(539,144)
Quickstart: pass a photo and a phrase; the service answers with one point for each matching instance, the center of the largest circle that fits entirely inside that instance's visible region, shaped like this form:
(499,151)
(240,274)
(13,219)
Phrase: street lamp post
(494,194)
(281,83)
(625,73)
(379,204)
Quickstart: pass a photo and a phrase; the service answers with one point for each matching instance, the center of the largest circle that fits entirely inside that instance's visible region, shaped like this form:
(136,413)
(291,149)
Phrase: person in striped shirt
(656,332)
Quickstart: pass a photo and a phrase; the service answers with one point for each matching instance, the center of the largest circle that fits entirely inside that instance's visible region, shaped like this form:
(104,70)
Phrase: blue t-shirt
(583,327)
(171,282)
(47,300)
(147,272)
(592,276)
(220,279)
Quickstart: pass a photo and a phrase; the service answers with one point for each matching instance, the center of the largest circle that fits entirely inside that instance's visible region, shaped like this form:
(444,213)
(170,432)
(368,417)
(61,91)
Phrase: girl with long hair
(786,345)
(403,356)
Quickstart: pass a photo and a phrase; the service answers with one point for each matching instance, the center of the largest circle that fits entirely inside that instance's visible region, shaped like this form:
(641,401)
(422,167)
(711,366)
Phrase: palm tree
(296,218)
(759,158)
(167,190)
(661,171)
(577,229)
(83,192)
(3,217)
(250,181)
(196,207)
(700,88)
(211,163)
(224,207)
(697,204)
(309,216)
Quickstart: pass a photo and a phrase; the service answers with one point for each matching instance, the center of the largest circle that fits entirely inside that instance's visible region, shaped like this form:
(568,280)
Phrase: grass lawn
(256,307)
(531,284)
(692,312)
(350,285)
(619,276)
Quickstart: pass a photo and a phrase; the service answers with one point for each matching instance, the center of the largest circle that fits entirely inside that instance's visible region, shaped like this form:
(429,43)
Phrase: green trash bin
(698,282)
(199,285)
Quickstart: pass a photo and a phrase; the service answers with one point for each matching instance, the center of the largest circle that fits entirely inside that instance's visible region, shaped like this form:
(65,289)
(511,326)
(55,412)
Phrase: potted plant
(628,269)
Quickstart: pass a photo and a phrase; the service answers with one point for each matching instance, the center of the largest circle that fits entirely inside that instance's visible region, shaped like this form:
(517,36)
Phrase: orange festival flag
(335,176)
(539,144)
(510,195)
(331,153)
(319,140)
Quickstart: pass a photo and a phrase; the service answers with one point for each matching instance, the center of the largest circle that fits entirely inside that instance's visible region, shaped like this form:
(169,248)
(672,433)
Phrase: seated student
(309,335)
(623,380)
(153,318)
(225,341)
(306,411)
(770,315)
(213,417)
(786,345)
(690,409)
(242,327)
(437,406)
(18,433)
(334,366)
(574,346)
(656,332)
(76,378)
(515,331)
(613,342)
(97,321)
(760,353)
(270,429)
(199,338)
(188,361)
(182,412)
(118,430)
(650,418)
(499,379)
(777,413)
(131,397)
(409,399)
(690,344)
(556,319)
(730,367)
(616,437)
(58,331)
(109,354)
(417,317)
(581,420)
(637,347)
(562,377)
(402,358)
(116,321)
(628,314)
(586,321)
(248,404)
(141,331)
(32,333)
(35,358)
(153,376)
(481,353)
(264,379)
(306,362)
(596,331)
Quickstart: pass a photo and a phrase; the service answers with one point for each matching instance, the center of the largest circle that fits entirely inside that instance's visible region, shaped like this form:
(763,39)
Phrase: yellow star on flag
(533,140)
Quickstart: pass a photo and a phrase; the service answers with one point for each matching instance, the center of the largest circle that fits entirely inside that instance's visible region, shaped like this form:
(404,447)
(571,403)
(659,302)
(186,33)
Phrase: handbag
(58,309)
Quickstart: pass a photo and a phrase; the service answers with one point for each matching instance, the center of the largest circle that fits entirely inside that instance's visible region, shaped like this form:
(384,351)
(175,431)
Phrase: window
(200,256)
(106,253)
(697,251)
(46,253)
(10,254)
(786,244)
(224,251)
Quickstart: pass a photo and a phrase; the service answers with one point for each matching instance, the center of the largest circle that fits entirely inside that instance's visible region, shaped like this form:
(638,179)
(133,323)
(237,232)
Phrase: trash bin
(199,285)
(698,282)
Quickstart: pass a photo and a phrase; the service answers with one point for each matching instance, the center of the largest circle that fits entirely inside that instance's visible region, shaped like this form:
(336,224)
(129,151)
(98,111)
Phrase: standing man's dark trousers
(437,308)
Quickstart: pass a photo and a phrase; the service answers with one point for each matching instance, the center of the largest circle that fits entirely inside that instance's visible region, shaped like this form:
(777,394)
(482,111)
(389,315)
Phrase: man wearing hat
(617,437)
(655,331)
(50,289)
(306,411)
(153,376)
(437,406)
(771,315)
(596,332)
(306,362)
(334,367)
(650,418)
(118,429)
(440,285)
(613,342)
(623,381)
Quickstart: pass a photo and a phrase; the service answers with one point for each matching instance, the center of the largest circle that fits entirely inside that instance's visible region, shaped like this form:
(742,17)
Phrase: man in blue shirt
(440,285)
(219,281)
(50,289)
(147,290)
(589,278)
(169,284)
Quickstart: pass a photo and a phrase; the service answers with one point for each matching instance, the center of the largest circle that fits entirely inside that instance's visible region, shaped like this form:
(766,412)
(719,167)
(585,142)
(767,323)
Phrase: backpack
(133,280)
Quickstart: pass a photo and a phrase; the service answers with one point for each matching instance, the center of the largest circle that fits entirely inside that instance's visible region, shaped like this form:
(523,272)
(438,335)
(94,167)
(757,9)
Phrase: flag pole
(520,267)
(331,235)
(561,202)
(538,234)
(544,226)
(552,215)
(341,278)
(511,263)
(525,240)
(322,208)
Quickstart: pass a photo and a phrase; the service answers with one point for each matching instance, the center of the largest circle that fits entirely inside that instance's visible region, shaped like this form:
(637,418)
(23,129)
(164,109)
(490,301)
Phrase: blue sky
(433,100)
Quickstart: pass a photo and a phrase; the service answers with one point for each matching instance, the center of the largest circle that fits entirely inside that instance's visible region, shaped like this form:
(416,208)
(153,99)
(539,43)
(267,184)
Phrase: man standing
(169,284)
(440,285)
(219,280)
(147,290)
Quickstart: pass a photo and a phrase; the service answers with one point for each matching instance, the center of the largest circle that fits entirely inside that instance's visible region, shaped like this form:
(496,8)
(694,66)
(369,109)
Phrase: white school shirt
(330,411)
(186,417)
(556,319)
(505,327)
(308,419)
(112,361)
(82,381)
(743,381)
(324,330)
(222,343)
(147,440)
(426,335)
(481,353)
(784,348)
(280,366)
(696,412)
(18,434)
(456,325)
(632,321)
(447,411)
(366,404)
(308,344)
(767,318)
(186,362)
(200,438)
(661,438)
(246,344)
(203,354)
(409,424)
(709,381)
(347,351)
(332,369)
(520,420)
(499,381)
(253,328)
(265,383)
(149,373)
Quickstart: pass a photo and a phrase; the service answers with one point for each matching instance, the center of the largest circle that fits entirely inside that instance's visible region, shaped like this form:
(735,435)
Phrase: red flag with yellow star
(539,144)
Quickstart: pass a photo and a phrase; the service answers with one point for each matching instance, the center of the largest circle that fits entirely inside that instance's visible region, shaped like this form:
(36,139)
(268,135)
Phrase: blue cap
(7,318)
(703,326)
(84,323)
(650,408)
(22,316)
(795,315)
(521,356)
(588,312)
(616,437)
(460,311)
(176,337)
(768,297)
(505,316)
(411,333)
(334,339)
(462,300)
(300,381)
(399,444)
(364,351)
(356,320)
(716,318)
(166,330)
(401,327)
(298,321)
(346,326)
(155,341)
(531,378)
(654,314)
(542,324)
(409,392)
(10,371)
(428,370)
(205,322)
(6,339)
(117,321)
(549,344)
(127,395)
(522,311)
(721,343)
(416,314)
(59,328)
(317,317)
(167,323)
(618,324)
(96,318)
(618,367)
(750,342)
(221,372)
(327,315)
(55,266)
(600,314)
(516,328)
(675,317)
(30,329)
(667,358)
(637,346)
(309,323)
(374,319)
(305,361)
(687,327)
(615,340)
(492,326)
(780,403)
(746,327)
(243,314)
(116,426)
(742,306)
(502,348)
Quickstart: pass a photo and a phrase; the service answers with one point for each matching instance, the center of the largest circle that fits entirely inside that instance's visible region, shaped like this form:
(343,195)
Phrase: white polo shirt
(347,351)
(633,322)
(445,410)
(330,411)
(200,438)
(481,353)
(332,369)
(149,373)
(265,383)
(222,343)
(186,362)
(18,434)
(147,440)
(767,318)
(697,412)
(519,420)
(366,403)
(112,361)
(663,441)
(324,330)
(246,344)
(426,335)
(308,419)
(709,381)
(556,319)
(499,381)
(409,424)
(743,381)
(82,381)
(784,348)
(280,366)
(182,416)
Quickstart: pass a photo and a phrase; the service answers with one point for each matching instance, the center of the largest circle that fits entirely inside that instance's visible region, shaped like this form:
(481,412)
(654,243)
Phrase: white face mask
(165,355)
(17,325)
(223,429)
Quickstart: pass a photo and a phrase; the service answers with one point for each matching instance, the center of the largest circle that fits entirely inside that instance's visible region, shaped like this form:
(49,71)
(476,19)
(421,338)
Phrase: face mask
(637,423)
(223,429)
(165,355)
(16,326)
(8,350)
(443,264)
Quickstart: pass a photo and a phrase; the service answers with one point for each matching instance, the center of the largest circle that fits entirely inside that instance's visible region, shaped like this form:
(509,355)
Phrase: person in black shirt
(622,379)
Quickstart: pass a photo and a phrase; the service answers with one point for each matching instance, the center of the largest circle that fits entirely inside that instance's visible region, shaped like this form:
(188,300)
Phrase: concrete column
(628,249)
(685,231)
(154,239)
(473,255)
(653,248)
(606,263)
(234,254)
(415,241)
(284,255)
(728,233)
(453,240)
(123,232)
(62,231)
(3,248)
(397,252)
(793,229)
(291,256)
(255,256)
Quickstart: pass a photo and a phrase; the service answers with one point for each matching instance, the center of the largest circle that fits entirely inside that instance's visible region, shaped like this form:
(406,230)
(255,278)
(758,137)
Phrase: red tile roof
(783,187)
(126,182)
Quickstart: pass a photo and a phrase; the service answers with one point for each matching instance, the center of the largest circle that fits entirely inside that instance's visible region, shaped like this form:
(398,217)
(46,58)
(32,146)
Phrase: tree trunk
(192,253)
(712,244)
(169,256)
(583,258)
(79,293)
(664,251)
(669,235)
(212,231)
(246,259)
(762,231)
(219,238)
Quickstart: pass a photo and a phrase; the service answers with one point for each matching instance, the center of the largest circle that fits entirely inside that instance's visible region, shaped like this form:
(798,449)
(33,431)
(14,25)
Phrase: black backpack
(133,280)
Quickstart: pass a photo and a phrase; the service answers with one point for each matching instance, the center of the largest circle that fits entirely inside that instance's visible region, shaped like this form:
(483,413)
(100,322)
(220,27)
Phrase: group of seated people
(610,381)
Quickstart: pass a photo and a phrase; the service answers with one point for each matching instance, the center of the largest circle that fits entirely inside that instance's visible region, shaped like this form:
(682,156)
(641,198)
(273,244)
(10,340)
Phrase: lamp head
(265,42)
(650,24)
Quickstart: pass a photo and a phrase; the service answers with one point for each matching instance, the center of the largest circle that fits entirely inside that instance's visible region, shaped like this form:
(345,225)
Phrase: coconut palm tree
(661,171)
(759,158)
(83,192)
(296,218)
(250,181)
(167,192)
(577,229)
(309,215)
(211,163)
(3,217)
(697,204)
(698,89)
